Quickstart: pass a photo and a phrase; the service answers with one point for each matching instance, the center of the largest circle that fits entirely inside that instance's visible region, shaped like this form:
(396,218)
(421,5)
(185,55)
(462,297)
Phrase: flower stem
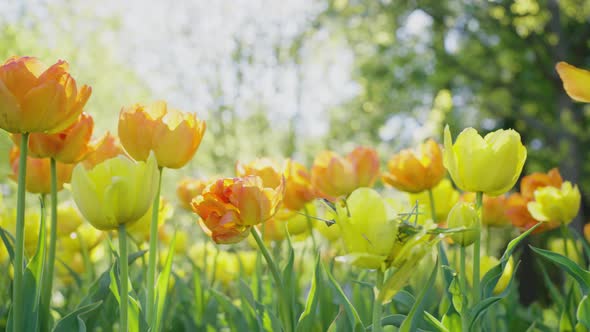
(123,277)
(284,308)
(50,263)
(432,206)
(151,277)
(19,248)
(377,307)
(563,229)
(463,283)
(476,248)
(310,226)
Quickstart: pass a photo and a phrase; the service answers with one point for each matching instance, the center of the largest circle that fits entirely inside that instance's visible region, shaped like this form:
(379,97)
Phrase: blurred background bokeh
(292,77)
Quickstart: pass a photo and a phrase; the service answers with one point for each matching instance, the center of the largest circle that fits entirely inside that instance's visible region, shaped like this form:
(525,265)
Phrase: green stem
(310,226)
(432,206)
(50,262)
(123,277)
(377,307)
(476,248)
(284,308)
(463,283)
(19,245)
(563,229)
(151,277)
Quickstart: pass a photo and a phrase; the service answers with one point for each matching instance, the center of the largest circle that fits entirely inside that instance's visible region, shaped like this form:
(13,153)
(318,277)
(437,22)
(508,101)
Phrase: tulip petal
(576,81)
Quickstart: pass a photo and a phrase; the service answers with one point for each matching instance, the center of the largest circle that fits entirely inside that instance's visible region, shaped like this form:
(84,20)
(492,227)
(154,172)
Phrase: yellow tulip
(556,204)
(489,164)
(187,189)
(369,228)
(174,136)
(576,81)
(69,219)
(117,191)
(463,215)
(267,169)
(574,248)
(37,99)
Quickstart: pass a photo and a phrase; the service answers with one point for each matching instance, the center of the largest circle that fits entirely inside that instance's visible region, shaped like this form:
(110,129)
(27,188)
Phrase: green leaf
(8,241)
(136,322)
(405,299)
(353,317)
(580,275)
(162,287)
(566,321)
(490,279)
(75,321)
(411,321)
(289,278)
(452,322)
(457,294)
(234,315)
(435,322)
(393,320)
(308,319)
(583,312)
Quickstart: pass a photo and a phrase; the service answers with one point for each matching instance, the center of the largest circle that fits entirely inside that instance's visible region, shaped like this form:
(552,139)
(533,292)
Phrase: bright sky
(185,52)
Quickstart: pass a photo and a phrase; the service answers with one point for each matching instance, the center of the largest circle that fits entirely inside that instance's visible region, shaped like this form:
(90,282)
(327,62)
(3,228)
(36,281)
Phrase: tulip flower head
(463,215)
(116,191)
(38,172)
(489,164)
(556,204)
(37,99)
(68,146)
(230,206)
(576,81)
(174,136)
(415,171)
(298,188)
(516,205)
(333,176)
(267,169)
(494,209)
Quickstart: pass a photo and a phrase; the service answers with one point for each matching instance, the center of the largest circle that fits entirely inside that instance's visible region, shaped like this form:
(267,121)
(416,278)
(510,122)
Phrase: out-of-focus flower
(445,197)
(266,169)
(174,136)
(486,263)
(489,164)
(298,188)
(222,265)
(463,215)
(75,263)
(106,147)
(187,189)
(38,172)
(68,146)
(140,230)
(84,235)
(516,205)
(574,248)
(415,171)
(333,176)
(32,222)
(587,232)
(69,218)
(494,209)
(576,81)
(117,191)
(230,206)
(556,204)
(37,99)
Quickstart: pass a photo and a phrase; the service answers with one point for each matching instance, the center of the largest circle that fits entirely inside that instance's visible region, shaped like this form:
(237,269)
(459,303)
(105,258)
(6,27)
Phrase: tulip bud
(556,204)
(463,215)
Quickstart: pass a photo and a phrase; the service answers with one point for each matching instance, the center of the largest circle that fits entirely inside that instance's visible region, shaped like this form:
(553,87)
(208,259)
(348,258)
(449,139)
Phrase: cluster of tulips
(115,183)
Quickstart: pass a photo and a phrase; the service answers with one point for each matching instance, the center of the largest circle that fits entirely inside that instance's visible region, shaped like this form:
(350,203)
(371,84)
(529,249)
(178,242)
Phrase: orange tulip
(333,176)
(494,209)
(267,169)
(174,136)
(575,81)
(69,146)
(188,189)
(38,173)
(106,147)
(415,171)
(230,206)
(36,99)
(298,189)
(516,205)
(587,232)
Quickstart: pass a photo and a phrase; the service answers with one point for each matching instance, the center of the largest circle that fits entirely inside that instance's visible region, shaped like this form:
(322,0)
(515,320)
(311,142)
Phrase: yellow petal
(576,81)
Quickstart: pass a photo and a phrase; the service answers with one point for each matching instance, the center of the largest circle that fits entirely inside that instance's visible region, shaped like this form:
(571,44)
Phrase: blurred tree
(496,58)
